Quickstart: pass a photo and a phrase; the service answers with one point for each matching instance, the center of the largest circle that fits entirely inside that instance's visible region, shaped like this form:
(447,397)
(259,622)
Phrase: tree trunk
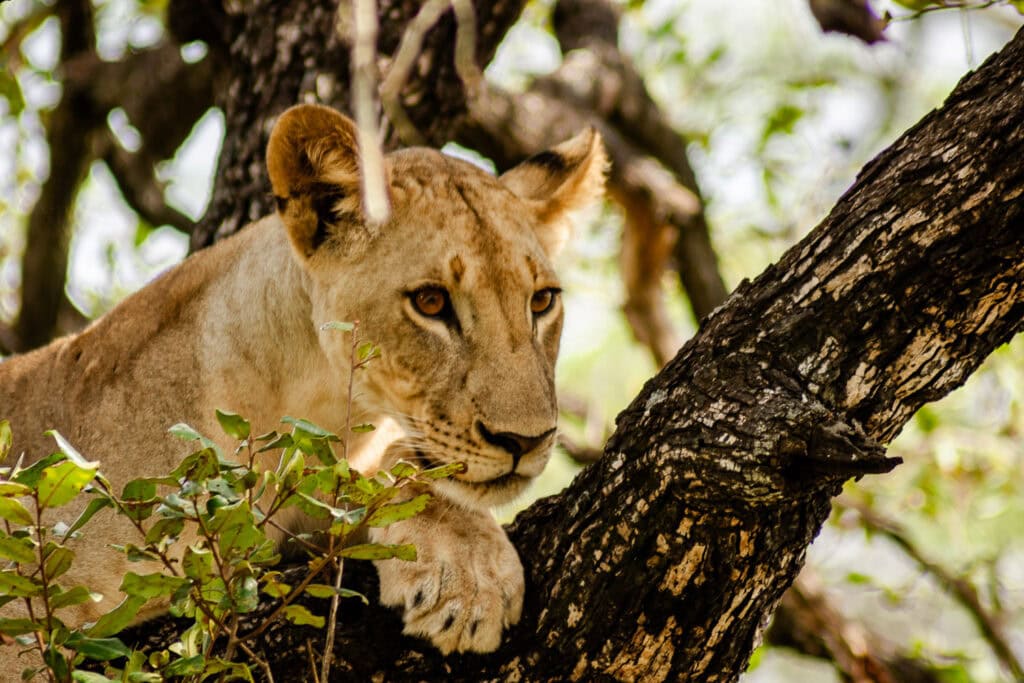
(664,560)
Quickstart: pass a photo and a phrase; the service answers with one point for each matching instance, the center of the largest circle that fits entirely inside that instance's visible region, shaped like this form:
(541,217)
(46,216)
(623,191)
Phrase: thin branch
(134,173)
(945,5)
(260,662)
(465,47)
(401,67)
(364,80)
(959,588)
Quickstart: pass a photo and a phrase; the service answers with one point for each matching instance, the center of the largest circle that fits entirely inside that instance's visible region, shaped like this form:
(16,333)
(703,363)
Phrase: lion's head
(456,288)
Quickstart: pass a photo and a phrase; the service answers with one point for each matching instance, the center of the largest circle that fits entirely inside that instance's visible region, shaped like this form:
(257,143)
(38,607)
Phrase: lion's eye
(541,302)
(431,302)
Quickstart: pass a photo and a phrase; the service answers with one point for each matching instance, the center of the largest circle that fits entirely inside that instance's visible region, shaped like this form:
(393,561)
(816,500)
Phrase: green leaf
(338,325)
(117,619)
(72,454)
(396,512)
(13,511)
(166,528)
(58,560)
(185,433)
(76,596)
(18,549)
(280,441)
(150,585)
(79,676)
(367,352)
(57,662)
(233,425)
(139,489)
(94,506)
(378,551)
(232,671)
(299,615)
(199,466)
(198,564)
(6,436)
(102,649)
(403,470)
(136,554)
(363,428)
(444,471)
(13,583)
(186,666)
(31,475)
(320,590)
(235,528)
(245,593)
(317,505)
(309,428)
(10,488)
(17,627)
(62,482)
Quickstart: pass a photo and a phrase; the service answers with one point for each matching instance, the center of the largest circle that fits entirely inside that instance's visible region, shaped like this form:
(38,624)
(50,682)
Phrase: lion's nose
(516,444)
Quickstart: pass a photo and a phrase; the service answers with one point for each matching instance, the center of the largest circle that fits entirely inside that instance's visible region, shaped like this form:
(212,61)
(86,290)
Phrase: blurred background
(923,567)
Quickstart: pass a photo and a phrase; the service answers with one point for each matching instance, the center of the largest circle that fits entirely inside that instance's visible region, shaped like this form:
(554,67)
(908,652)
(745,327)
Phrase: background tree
(265,56)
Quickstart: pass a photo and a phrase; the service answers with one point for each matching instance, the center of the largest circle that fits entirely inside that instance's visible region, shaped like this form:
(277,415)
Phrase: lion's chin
(484,494)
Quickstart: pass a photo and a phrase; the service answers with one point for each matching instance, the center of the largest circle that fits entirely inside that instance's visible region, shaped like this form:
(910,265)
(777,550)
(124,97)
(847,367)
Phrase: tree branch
(68,136)
(76,135)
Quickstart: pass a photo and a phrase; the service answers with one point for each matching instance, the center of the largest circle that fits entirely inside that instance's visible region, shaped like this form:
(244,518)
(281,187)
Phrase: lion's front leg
(466,585)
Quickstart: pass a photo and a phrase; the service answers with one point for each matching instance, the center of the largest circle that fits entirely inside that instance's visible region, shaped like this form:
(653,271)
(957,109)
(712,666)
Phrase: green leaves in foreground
(202,530)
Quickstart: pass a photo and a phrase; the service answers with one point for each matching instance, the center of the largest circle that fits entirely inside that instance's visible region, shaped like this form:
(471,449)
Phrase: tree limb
(68,137)
(76,135)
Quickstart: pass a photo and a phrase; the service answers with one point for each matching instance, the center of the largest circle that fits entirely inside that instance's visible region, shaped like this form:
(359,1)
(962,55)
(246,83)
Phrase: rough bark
(278,53)
(663,560)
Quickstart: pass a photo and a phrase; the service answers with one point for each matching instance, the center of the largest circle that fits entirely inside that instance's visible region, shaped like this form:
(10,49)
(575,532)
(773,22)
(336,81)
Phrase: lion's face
(456,289)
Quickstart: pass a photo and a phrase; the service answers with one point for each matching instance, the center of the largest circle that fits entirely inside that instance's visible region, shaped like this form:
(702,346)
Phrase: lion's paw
(466,585)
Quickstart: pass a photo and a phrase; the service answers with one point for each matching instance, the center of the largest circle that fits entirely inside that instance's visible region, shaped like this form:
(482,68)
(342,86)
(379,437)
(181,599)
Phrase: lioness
(457,290)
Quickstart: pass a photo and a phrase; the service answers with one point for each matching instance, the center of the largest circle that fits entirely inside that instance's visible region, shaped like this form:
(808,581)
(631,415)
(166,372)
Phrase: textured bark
(663,560)
(278,53)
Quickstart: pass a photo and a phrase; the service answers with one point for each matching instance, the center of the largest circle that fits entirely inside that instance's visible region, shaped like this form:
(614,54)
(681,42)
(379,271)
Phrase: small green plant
(208,525)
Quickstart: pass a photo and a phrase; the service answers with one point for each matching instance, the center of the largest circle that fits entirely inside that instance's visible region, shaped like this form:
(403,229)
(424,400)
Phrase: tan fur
(239,327)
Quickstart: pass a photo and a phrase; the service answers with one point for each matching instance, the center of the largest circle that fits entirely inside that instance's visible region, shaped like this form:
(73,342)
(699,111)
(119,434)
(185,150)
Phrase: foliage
(207,524)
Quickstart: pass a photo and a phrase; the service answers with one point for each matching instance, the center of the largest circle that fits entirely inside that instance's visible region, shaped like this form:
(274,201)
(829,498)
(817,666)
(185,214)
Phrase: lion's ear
(559,181)
(313,163)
